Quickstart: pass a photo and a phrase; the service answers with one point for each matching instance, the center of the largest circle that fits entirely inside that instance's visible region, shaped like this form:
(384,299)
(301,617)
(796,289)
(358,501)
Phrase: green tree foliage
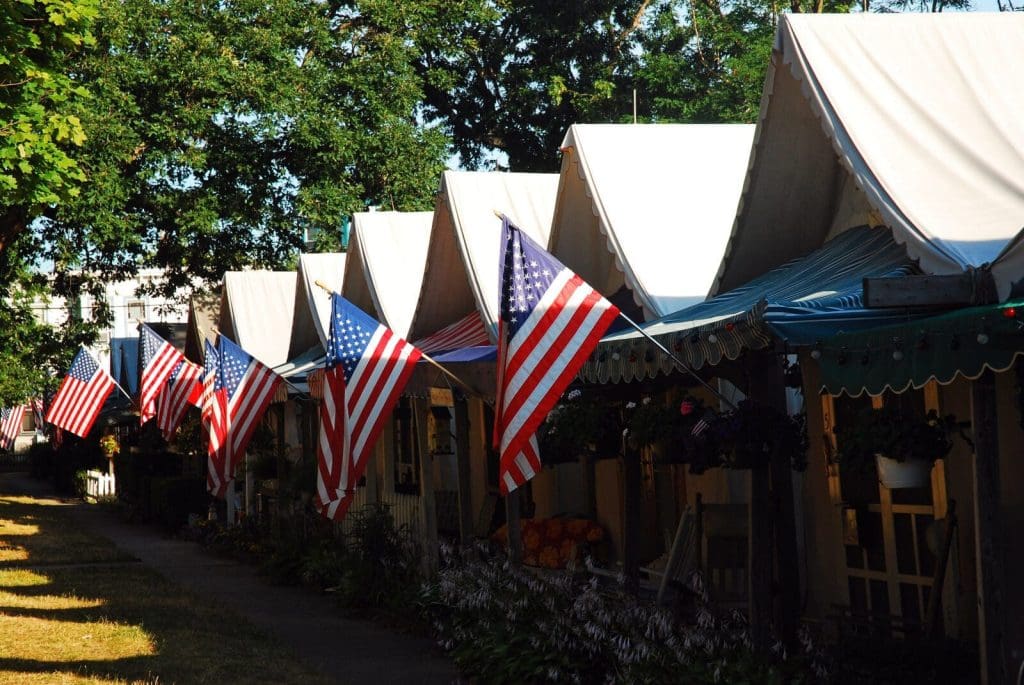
(219,130)
(38,102)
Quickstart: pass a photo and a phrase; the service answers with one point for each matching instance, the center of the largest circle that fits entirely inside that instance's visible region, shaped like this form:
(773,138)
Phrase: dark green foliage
(503,624)
(41,456)
(173,498)
(897,434)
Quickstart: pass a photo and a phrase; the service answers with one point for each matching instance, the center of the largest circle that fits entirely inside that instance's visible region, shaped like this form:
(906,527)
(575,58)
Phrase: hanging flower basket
(109,446)
(911,473)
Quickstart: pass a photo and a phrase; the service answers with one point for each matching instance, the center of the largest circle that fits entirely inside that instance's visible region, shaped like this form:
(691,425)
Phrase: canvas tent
(386,271)
(908,120)
(313,303)
(462,259)
(258,312)
(649,207)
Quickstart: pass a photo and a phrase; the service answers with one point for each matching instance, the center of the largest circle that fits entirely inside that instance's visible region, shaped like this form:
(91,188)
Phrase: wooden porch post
(515,533)
(988,530)
(768,388)
(428,508)
(282,465)
(631,484)
(463,466)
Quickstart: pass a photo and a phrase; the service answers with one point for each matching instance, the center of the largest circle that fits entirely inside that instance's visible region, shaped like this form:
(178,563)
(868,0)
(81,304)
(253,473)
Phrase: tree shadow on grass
(61,612)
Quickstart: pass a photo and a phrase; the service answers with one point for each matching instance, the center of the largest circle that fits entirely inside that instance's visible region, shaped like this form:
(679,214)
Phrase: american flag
(159,359)
(10,426)
(469,331)
(237,389)
(367,369)
(183,387)
(81,396)
(37,413)
(703,423)
(550,322)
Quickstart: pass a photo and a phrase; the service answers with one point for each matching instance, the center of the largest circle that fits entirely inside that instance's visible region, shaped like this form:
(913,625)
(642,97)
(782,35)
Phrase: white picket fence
(99,484)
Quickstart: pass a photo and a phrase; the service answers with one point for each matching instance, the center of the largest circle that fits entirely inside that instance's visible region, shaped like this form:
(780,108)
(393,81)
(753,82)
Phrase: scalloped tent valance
(801,302)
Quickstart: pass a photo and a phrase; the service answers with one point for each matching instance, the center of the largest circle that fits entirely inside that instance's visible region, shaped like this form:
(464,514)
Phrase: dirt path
(348,651)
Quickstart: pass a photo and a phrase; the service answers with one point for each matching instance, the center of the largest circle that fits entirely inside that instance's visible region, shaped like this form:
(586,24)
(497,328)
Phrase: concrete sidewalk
(346,650)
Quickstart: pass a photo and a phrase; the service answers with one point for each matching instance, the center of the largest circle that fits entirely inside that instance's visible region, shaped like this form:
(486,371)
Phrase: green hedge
(173,498)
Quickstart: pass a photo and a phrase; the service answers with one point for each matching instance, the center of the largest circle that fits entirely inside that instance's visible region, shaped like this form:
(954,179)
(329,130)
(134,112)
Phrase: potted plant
(902,444)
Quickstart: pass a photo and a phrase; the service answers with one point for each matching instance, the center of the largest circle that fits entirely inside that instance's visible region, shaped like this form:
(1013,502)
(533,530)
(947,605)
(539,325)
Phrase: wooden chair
(724,552)
(712,538)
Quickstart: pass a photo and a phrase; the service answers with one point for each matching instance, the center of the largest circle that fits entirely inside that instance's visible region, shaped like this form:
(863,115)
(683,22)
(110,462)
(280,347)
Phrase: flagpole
(683,366)
(461,383)
(679,362)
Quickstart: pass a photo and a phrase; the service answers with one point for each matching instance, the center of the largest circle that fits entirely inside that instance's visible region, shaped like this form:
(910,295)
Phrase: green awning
(940,348)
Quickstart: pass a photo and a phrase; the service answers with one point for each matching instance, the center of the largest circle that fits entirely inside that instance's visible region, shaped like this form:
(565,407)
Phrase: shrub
(502,623)
(173,498)
(40,457)
(381,568)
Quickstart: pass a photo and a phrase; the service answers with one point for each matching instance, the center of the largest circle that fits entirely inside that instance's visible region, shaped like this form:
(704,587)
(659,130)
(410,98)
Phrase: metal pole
(683,366)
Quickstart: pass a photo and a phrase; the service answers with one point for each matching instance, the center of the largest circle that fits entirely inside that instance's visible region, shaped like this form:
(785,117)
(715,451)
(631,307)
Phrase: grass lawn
(74,609)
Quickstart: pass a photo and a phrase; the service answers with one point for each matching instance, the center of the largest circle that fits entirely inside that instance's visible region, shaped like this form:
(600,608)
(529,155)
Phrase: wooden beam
(462,447)
(760,557)
(515,533)
(428,505)
(988,531)
(631,484)
(926,291)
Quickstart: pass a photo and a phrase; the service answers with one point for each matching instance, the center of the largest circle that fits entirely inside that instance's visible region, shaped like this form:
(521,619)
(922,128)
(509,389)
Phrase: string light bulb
(842,356)
(982,338)
(816,352)
(712,338)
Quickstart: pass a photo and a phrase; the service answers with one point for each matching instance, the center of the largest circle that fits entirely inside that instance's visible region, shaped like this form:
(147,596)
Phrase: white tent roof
(465,241)
(257,311)
(922,111)
(386,271)
(663,197)
(313,303)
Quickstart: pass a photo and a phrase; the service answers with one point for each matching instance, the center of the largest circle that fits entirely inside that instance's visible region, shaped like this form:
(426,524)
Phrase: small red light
(730,326)
(1010,312)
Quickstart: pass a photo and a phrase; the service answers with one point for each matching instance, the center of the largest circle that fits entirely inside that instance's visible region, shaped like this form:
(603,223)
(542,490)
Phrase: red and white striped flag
(469,331)
(184,386)
(37,413)
(237,389)
(10,426)
(368,366)
(159,359)
(81,396)
(550,322)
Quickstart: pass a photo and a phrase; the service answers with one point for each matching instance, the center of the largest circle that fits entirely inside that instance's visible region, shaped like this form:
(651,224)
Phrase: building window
(136,311)
(407,467)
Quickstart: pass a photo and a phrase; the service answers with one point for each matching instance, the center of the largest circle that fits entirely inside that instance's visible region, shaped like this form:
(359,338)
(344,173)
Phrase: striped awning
(801,302)
(958,344)
(469,331)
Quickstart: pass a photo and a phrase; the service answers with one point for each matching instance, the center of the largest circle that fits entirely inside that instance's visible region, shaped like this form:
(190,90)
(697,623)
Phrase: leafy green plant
(579,424)
(501,623)
(897,434)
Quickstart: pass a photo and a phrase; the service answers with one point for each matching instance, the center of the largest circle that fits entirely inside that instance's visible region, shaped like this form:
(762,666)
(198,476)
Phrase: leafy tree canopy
(39,100)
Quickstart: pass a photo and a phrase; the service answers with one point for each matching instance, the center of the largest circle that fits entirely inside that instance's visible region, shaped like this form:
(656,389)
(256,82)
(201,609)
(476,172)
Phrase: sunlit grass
(39,532)
(9,552)
(8,527)
(67,616)
(21,578)
(10,600)
(55,641)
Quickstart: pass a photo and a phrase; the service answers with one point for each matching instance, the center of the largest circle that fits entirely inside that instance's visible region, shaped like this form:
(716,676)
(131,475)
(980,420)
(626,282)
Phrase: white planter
(912,473)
